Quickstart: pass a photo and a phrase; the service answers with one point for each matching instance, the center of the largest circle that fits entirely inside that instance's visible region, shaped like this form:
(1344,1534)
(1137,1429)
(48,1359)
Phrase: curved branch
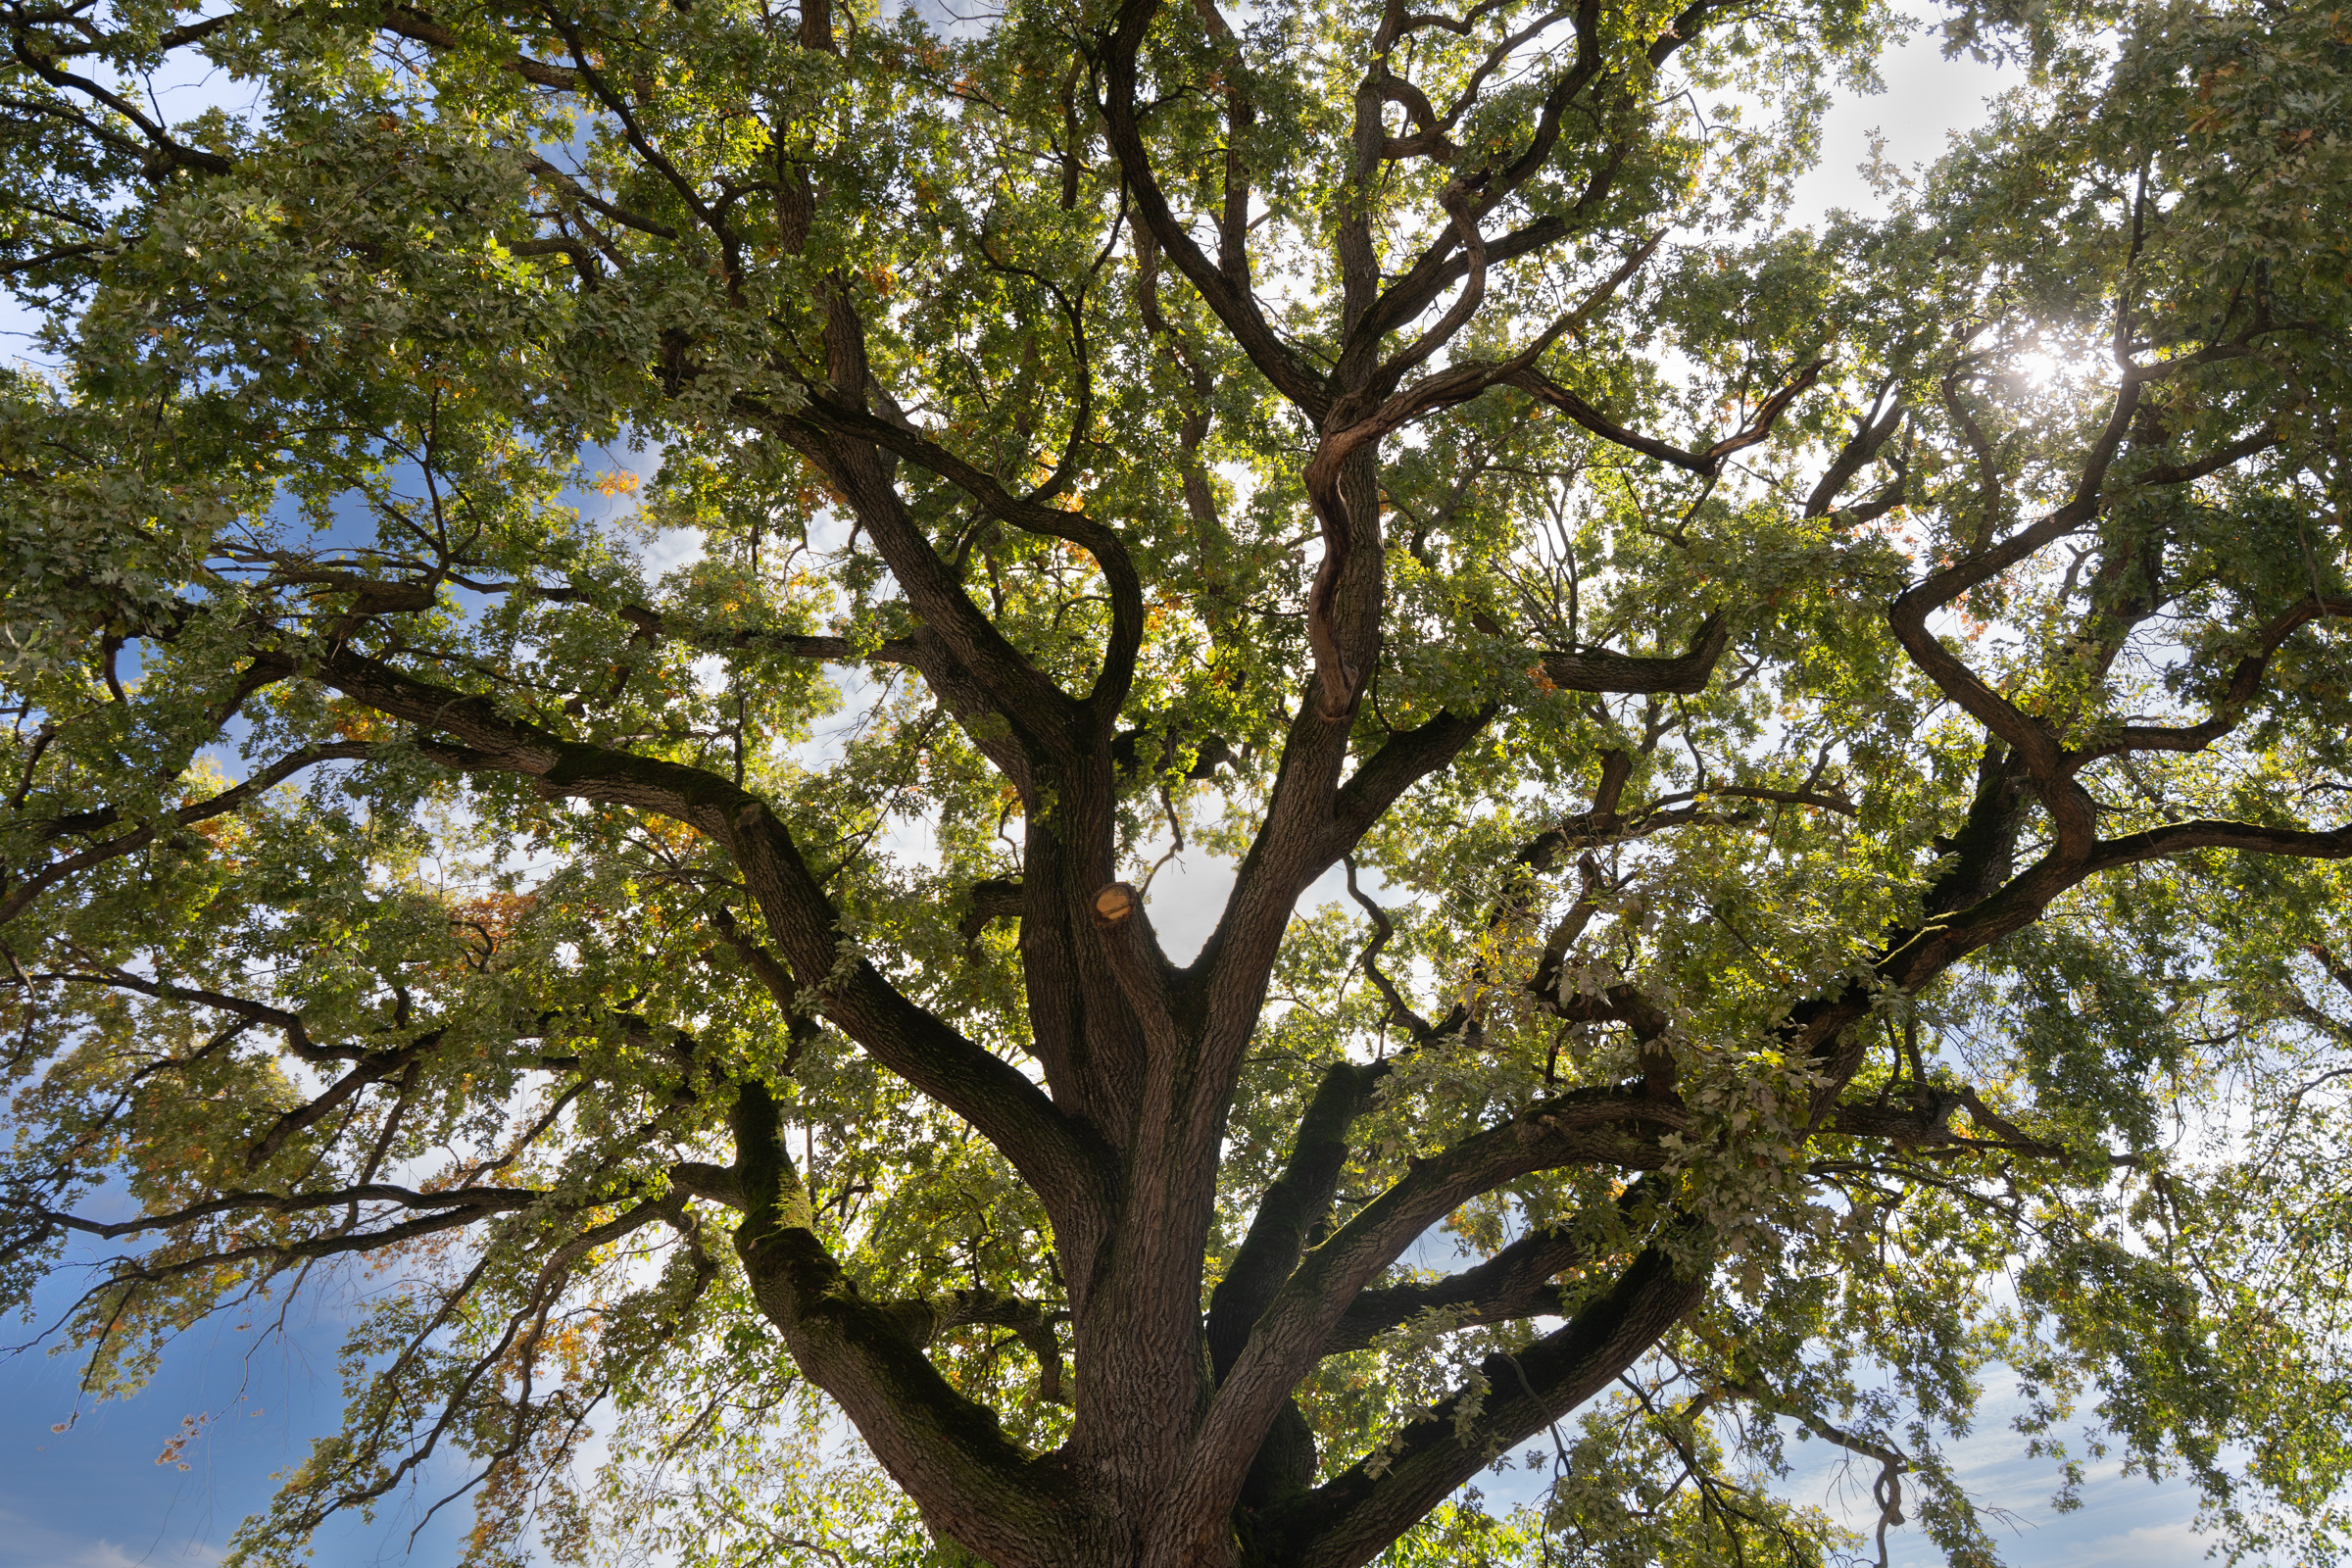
(2245,683)
(943,1448)
(1352,1518)
(1433,269)
(1598,670)
(1439,268)
(1515,1282)
(15,901)
(999,1103)
(419,27)
(1589,1126)
(1384,930)
(1031,1322)
(2031,740)
(1234,304)
(1408,757)
(1027,513)
(1707,465)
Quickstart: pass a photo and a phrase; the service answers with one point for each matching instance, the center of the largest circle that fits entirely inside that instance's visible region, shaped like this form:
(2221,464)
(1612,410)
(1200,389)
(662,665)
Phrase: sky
(95,1496)
(100,1495)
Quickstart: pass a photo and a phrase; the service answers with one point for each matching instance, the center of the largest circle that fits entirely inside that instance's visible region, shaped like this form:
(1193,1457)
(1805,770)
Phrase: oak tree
(1783,784)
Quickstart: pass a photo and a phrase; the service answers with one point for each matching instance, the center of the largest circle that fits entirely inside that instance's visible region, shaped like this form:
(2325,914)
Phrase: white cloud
(2172,1545)
(54,1549)
(671,549)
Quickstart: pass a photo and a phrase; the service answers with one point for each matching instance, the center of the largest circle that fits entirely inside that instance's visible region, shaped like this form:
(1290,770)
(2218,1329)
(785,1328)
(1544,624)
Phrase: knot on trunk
(1116,904)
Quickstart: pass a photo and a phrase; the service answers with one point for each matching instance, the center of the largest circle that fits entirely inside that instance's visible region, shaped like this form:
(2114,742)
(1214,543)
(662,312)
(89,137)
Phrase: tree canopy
(1826,745)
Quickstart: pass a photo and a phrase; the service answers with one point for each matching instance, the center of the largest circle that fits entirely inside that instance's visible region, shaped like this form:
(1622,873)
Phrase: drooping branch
(651,623)
(163,152)
(1924,1121)
(514,1351)
(290,1025)
(571,189)
(589,76)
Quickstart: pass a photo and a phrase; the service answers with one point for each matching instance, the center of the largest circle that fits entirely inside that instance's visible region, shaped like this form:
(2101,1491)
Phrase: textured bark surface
(1479,256)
